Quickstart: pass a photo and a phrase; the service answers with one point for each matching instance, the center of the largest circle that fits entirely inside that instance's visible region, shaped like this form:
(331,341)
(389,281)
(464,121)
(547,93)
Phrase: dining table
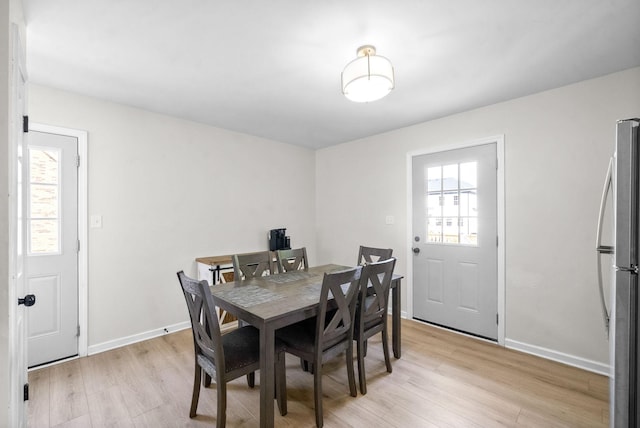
(275,301)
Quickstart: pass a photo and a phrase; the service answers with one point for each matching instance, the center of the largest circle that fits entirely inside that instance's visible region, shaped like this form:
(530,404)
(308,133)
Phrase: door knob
(416,250)
(28,300)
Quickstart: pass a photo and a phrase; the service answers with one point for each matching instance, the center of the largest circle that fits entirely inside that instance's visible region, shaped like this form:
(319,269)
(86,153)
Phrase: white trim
(83,231)
(499,141)
(502,291)
(549,354)
(139,337)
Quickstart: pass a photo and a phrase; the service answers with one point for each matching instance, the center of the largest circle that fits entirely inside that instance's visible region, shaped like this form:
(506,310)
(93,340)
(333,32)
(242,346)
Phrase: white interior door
(52,245)
(17,317)
(455,271)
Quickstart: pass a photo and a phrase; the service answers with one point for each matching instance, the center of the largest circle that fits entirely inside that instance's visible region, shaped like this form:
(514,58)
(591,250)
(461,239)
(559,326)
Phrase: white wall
(169,191)
(557,146)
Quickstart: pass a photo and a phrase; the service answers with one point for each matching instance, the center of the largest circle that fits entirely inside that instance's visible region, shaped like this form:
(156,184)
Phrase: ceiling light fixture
(368,77)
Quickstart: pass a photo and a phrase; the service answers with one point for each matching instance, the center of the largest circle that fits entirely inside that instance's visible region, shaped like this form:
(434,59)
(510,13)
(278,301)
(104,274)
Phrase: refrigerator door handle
(603,202)
(603,249)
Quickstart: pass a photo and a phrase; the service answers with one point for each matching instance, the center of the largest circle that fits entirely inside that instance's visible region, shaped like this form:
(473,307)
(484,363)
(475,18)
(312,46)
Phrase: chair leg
(251,379)
(361,374)
(317,393)
(385,348)
(304,365)
(221,417)
(350,373)
(281,383)
(197,378)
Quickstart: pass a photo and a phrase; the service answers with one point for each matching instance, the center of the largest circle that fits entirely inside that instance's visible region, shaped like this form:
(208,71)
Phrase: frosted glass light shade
(367,78)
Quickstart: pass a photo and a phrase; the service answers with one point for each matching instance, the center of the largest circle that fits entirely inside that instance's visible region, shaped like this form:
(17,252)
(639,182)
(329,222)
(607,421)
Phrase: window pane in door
(450,177)
(434,209)
(44,201)
(43,166)
(434,229)
(452,207)
(43,204)
(434,175)
(44,236)
(468,203)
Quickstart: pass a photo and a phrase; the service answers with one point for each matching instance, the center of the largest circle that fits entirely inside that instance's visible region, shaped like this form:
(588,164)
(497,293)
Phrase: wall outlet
(390,219)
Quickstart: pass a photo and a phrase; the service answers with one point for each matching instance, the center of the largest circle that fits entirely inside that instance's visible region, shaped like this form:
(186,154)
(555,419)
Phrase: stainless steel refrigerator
(621,259)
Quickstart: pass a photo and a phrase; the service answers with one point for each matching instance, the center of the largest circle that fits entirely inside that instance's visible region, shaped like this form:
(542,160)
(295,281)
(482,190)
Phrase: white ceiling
(272,68)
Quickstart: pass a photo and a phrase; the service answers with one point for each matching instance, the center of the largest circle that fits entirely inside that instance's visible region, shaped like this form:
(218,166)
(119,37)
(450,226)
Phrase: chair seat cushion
(300,336)
(241,347)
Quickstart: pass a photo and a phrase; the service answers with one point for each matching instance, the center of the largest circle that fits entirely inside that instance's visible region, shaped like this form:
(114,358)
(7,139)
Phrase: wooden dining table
(272,302)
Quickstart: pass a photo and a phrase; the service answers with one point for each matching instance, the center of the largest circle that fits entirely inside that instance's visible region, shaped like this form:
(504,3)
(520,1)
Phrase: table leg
(267,376)
(395,318)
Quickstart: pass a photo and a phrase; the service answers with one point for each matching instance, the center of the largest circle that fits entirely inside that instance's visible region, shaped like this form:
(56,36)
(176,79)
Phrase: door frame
(499,141)
(83,231)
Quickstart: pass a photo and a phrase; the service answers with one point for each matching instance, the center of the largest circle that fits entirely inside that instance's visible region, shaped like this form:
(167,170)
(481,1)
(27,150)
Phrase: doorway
(456,226)
(55,242)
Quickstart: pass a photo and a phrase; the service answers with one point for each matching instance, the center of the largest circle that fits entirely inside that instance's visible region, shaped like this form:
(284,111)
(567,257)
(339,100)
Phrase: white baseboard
(123,341)
(571,360)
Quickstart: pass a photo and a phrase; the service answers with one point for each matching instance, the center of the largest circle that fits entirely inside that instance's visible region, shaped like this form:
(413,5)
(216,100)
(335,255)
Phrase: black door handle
(29,300)
(416,250)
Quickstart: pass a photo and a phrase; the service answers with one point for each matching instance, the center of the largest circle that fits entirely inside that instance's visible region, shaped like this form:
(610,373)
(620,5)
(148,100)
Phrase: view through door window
(44,204)
(452,206)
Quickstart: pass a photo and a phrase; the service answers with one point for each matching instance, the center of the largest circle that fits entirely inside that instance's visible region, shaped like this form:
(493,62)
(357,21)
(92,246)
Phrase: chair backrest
(204,322)
(375,282)
(343,286)
(289,260)
(251,265)
(368,255)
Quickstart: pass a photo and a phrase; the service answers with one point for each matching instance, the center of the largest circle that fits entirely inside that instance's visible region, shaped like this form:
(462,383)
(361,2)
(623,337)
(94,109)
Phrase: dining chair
(370,254)
(330,333)
(371,312)
(251,265)
(289,260)
(224,357)
(224,316)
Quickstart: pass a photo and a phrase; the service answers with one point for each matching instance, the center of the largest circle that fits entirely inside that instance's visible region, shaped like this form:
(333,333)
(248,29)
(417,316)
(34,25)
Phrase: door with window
(52,245)
(455,281)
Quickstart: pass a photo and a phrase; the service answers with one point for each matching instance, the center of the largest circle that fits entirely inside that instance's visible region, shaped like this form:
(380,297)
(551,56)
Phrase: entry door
(455,281)
(52,246)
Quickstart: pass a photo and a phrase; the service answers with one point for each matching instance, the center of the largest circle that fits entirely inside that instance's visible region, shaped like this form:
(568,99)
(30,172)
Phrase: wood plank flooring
(442,380)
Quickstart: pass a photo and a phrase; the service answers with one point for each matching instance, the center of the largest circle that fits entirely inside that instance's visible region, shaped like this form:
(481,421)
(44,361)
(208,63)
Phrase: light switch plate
(96,222)
(390,219)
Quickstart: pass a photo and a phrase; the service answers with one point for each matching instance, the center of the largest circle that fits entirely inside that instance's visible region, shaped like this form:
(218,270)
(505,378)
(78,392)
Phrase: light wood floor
(442,380)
